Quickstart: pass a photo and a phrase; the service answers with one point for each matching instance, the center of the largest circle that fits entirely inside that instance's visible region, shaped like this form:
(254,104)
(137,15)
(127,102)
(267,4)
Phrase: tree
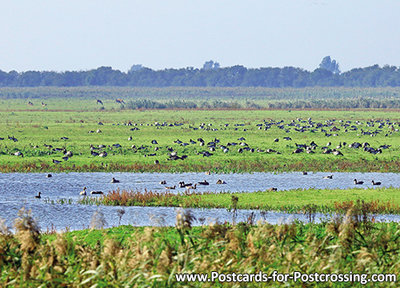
(330,65)
(211,65)
(135,67)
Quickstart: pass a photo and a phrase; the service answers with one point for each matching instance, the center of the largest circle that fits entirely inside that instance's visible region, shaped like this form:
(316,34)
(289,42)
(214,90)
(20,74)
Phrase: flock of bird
(328,128)
(181,184)
(356,182)
(191,186)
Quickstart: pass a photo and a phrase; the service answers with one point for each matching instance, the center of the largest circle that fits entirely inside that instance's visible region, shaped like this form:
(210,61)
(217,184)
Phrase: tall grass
(151,256)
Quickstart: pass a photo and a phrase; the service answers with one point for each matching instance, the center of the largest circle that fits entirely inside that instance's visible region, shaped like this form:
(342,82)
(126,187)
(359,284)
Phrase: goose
(305,173)
(376,183)
(163,182)
(273,189)
(83,192)
(203,182)
(191,186)
(182,184)
(358,182)
(38,196)
(328,177)
(49,175)
(96,192)
(113,180)
(221,181)
(171,187)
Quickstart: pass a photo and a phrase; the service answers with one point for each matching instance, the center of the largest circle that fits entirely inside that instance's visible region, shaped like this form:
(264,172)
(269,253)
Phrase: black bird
(113,180)
(204,182)
(358,182)
(376,183)
(56,161)
(96,192)
(49,175)
(38,196)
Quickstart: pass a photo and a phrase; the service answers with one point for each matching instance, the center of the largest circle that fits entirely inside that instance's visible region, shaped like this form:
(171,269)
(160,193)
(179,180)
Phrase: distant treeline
(235,76)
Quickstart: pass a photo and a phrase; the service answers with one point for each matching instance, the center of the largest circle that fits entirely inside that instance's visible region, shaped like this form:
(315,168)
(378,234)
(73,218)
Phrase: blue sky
(80,35)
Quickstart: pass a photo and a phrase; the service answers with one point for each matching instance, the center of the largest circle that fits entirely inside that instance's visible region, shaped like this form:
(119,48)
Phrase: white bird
(83,192)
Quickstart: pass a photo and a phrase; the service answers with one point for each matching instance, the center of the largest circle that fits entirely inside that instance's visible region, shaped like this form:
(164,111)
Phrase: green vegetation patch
(379,200)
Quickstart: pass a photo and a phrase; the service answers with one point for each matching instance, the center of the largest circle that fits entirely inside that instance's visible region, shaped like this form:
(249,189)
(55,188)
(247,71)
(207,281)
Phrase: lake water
(18,190)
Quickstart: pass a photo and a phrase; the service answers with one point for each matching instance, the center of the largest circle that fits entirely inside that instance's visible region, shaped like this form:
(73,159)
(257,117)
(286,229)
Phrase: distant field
(84,98)
(35,129)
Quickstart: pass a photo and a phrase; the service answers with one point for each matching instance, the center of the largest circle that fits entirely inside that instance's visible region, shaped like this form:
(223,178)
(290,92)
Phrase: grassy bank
(138,257)
(380,200)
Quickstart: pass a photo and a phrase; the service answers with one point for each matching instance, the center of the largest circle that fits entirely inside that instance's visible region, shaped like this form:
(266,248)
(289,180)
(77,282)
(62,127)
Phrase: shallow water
(18,190)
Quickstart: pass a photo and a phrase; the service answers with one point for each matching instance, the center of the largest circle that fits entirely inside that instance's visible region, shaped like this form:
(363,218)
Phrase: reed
(151,256)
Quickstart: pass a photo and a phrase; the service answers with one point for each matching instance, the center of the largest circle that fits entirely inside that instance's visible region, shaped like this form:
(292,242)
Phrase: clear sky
(85,34)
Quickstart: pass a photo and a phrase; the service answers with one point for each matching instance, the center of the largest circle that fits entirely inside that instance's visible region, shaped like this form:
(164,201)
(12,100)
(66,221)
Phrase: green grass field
(34,129)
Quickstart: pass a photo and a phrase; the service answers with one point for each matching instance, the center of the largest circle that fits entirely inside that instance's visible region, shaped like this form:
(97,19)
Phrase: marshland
(292,185)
